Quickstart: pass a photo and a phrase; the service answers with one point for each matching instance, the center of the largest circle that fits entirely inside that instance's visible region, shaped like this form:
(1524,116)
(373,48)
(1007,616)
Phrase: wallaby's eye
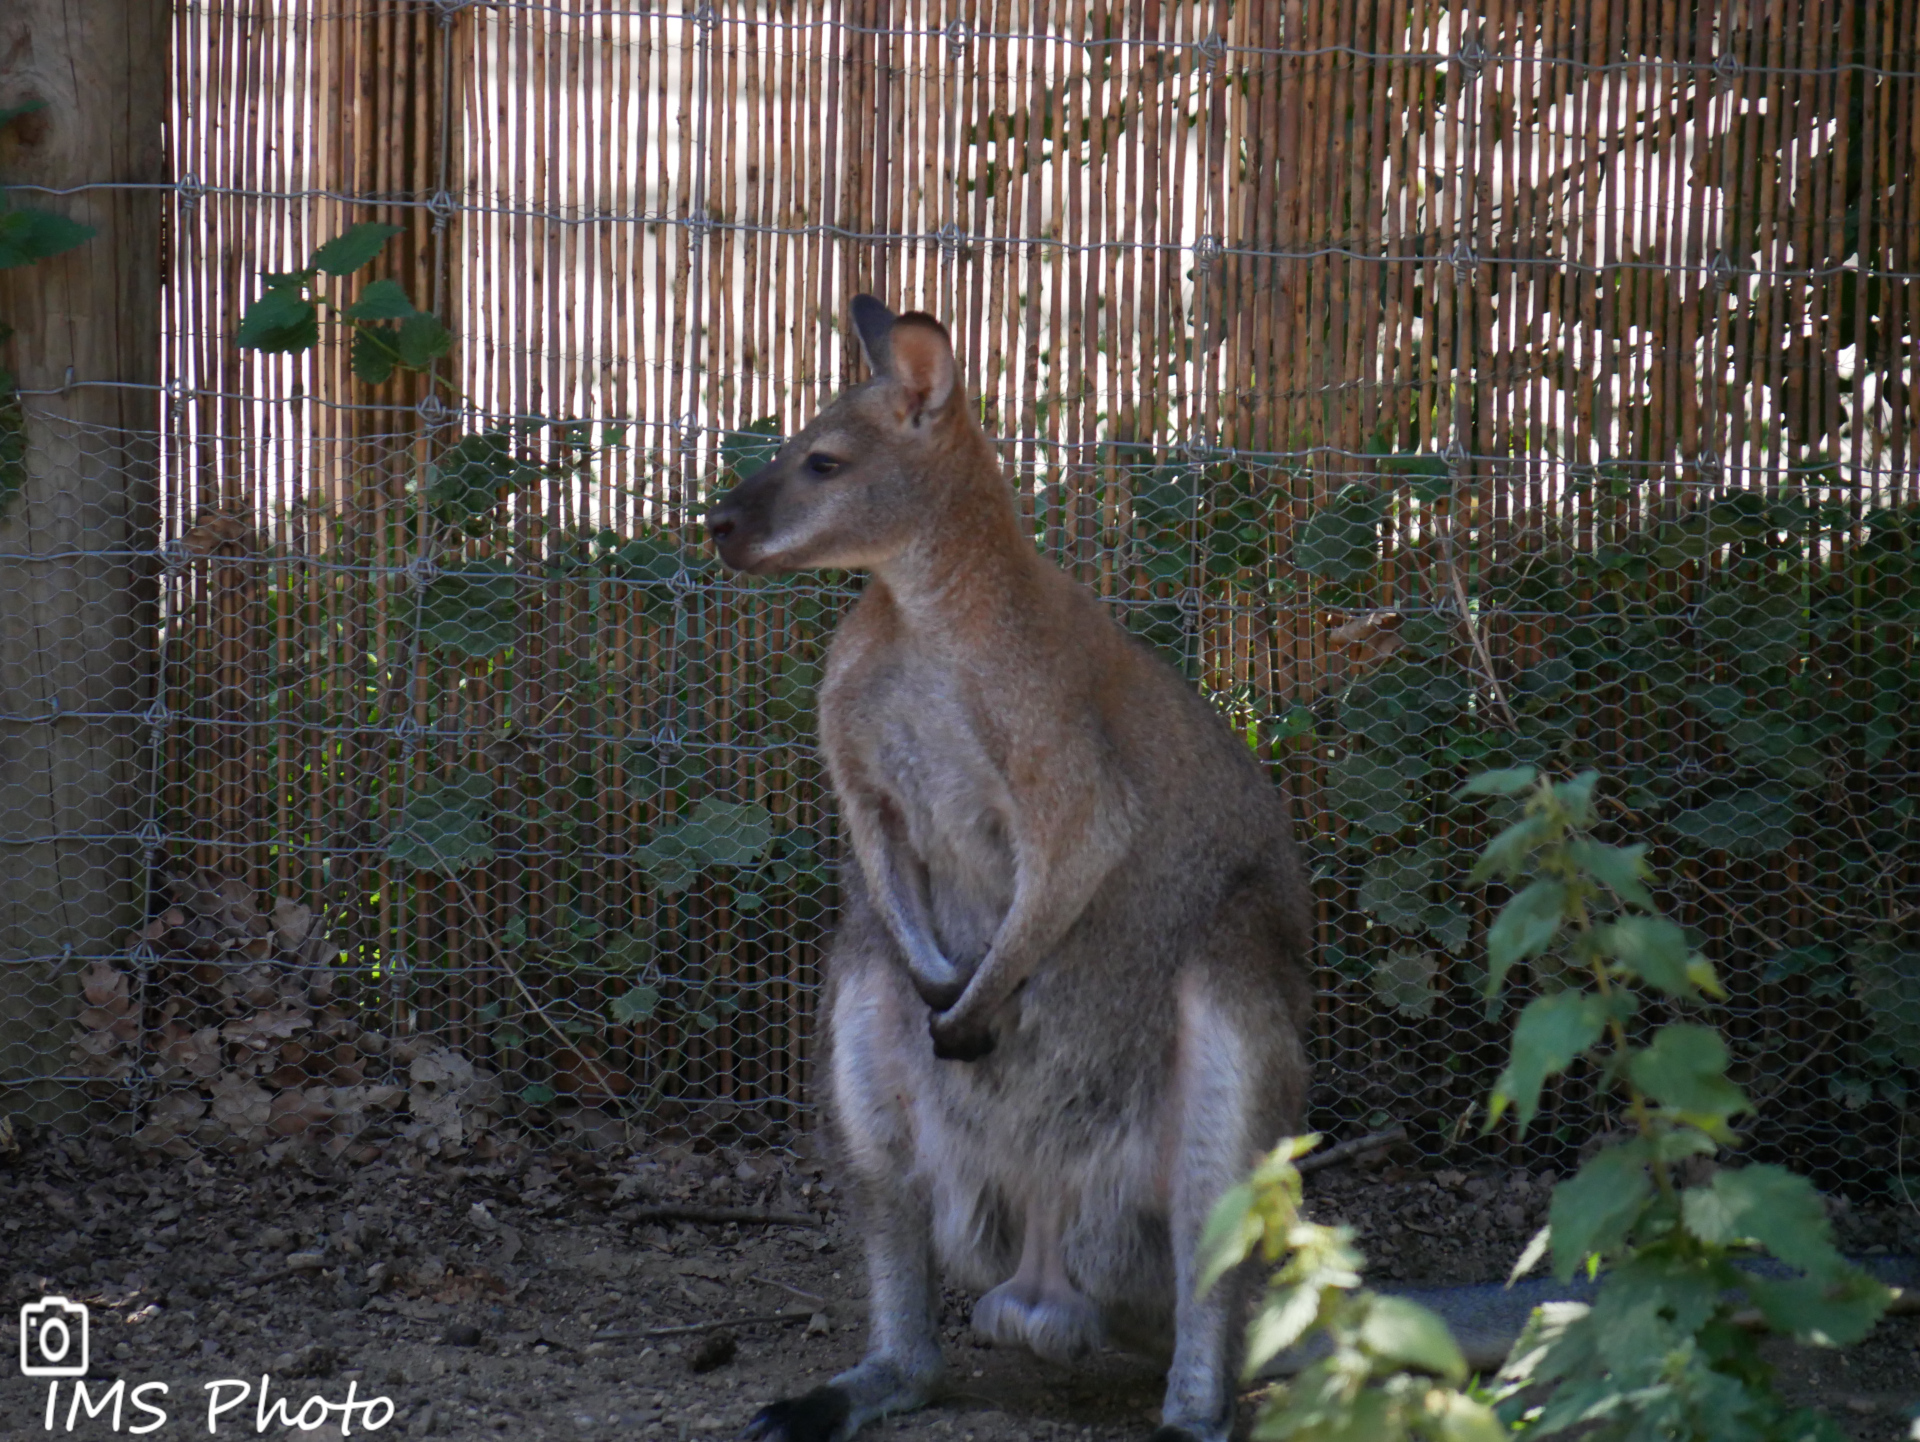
(822,465)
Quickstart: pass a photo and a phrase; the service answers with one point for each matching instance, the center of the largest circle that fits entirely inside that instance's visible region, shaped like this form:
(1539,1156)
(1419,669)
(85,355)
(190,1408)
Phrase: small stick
(649,1333)
(1345,1151)
(799,1292)
(720,1214)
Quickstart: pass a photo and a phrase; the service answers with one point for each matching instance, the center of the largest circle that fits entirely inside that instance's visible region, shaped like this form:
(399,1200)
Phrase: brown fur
(1063,1002)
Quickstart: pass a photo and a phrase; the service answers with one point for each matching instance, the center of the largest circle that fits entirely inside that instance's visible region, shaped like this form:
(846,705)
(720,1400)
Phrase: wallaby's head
(851,490)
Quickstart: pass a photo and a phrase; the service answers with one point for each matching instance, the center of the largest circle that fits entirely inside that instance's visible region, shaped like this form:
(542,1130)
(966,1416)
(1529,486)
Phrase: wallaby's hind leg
(903,1364)
(1038,1305)
(1223,1099)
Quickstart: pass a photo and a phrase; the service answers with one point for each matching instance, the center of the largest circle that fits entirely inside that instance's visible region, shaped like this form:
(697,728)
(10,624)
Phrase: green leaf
(1769,1205)
(1623,870)
(27,235)
(1751,822)
(1593,1211)
(422,340)
(1888,981)
(1233,1230)
(1340,541)
(1510,782)
(1402,701)
(1651,948)
(746,451)
(280,321)
(537,1094)
(667,861)
(1407,1334)
(1525,926)
(1368,794)
(1550,1034)
(1685,1068)
(1403,979)
(1826,1313)
(372,353)
(633,1006)
(1507,854)
(444,828)
(468,479)
(1449,925)
(353,247)
(1394,886)
(1755,627)
(473,611)
(790,702)
(1284,1318)
(626,950)
(380,300)
(729,833)
(1721,704)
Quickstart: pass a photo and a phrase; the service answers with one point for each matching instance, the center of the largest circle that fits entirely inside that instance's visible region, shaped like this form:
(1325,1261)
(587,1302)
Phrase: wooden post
(76,545)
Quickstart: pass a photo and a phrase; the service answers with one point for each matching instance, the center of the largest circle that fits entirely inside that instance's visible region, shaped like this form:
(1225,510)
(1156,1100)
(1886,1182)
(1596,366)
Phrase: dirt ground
(511,1298)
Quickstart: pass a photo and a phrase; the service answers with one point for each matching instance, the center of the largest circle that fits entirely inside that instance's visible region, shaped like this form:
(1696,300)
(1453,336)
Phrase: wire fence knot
(1464,261)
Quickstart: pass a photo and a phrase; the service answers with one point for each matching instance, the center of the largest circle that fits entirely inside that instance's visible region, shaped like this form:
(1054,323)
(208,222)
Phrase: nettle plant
(1741,663)
(489,593)
(1668,1347)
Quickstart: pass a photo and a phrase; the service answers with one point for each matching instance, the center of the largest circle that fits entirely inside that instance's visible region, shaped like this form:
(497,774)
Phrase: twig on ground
(718,1215)
(1346,1151)
(649,1333)
(799,1292)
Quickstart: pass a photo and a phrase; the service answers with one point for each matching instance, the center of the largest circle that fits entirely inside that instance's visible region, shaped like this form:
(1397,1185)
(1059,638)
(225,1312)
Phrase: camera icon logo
(53,1338)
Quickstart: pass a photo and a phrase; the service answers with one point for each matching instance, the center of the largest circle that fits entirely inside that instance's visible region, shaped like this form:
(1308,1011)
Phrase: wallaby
(1064,998)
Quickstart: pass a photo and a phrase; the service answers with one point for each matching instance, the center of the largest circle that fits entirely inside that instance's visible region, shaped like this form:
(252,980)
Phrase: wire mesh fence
(1439,387)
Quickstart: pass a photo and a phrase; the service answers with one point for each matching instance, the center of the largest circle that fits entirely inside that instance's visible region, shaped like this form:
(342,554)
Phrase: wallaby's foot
(817,1416)
(1058,1324)
(836,1411)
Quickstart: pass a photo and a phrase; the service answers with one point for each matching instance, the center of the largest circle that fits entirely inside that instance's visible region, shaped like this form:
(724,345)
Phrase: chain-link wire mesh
(1439,388)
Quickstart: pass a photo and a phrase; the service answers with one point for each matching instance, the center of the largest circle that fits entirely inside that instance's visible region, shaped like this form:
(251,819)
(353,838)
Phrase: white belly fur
(979,1156)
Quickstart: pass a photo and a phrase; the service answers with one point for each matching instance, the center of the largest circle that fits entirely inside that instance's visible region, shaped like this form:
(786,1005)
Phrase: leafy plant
(387,331)
(1663,1350)
(27,234)
(1668,1348)
(577,798)
(1392,1369)
(1744,663)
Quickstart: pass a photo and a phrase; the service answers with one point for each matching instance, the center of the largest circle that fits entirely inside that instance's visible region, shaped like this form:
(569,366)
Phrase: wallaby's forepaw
(818,1416)
(939,998)
(959,1039)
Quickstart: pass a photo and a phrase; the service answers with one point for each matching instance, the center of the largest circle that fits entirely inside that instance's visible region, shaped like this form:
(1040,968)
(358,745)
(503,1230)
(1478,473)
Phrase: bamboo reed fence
(1508,286)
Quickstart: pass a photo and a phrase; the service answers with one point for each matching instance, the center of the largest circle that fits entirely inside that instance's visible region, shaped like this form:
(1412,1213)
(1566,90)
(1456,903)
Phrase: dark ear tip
(868,309)
(920,317)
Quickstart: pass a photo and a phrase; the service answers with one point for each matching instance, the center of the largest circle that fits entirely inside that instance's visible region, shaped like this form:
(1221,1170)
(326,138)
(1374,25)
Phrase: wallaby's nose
(719,525)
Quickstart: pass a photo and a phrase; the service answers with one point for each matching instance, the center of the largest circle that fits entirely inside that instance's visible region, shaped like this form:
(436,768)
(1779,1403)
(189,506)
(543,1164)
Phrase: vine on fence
(1668,1348)
(27,234)
(480,559)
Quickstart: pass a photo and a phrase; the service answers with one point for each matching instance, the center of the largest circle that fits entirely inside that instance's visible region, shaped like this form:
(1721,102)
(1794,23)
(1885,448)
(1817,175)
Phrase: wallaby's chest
(916,738)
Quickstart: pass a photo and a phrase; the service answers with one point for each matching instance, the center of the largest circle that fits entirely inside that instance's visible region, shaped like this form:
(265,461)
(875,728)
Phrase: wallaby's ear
(873,323)
(923,363)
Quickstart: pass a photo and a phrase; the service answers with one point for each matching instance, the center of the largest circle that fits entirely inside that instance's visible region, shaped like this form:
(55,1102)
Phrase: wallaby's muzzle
(740,520)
